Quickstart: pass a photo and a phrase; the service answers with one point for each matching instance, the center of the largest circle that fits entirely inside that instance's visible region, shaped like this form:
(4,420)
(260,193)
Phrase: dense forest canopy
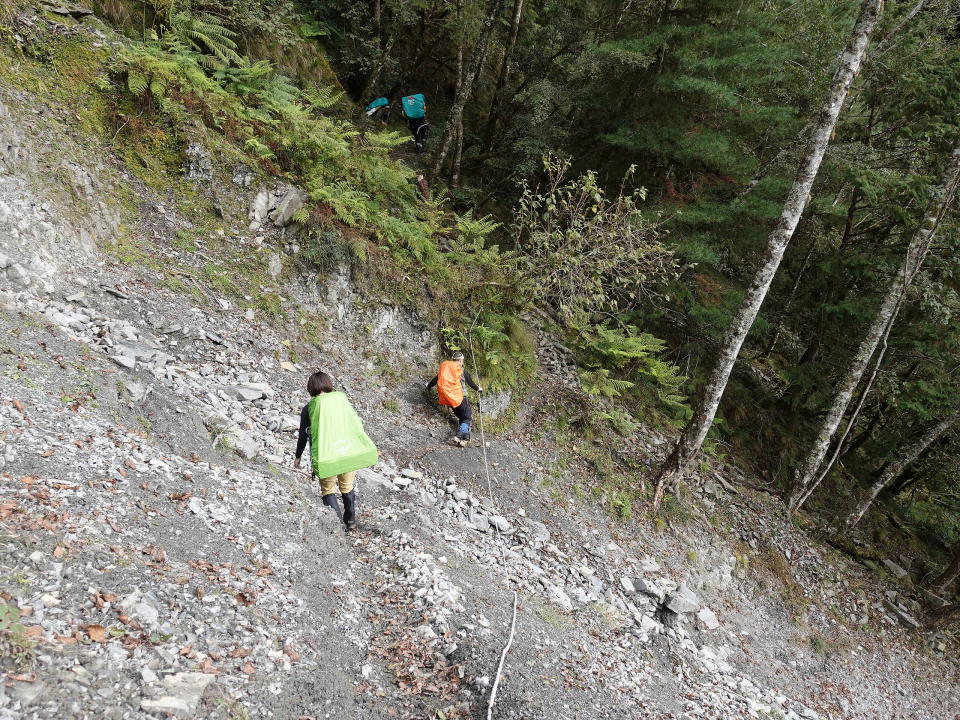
(617,169)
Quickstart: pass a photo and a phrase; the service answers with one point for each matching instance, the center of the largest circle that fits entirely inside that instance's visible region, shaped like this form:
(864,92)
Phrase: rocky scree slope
(165,560)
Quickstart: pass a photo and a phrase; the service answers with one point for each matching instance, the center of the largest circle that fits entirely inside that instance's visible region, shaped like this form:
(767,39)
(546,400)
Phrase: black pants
(464,414)
(418,128)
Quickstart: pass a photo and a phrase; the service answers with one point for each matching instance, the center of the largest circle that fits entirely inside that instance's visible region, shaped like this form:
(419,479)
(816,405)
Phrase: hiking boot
(350,509)
(334,504)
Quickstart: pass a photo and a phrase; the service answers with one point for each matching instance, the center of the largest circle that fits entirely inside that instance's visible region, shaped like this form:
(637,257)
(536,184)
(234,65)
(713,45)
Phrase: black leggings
(418,127)
(463,411)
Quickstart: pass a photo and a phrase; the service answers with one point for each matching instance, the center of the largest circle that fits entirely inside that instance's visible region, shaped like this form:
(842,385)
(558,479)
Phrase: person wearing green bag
(338,445)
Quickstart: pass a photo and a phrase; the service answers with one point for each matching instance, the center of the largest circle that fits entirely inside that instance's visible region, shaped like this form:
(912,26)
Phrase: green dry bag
(338,443)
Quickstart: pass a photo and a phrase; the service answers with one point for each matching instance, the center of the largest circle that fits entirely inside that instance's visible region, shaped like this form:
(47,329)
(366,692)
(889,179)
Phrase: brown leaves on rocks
(97,633)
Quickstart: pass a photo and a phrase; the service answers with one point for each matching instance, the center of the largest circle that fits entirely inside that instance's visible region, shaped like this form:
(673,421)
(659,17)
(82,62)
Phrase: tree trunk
(458,151)
(941,584)
(477,57)
(807,477)
(895,468)
(494,115)
(848,65)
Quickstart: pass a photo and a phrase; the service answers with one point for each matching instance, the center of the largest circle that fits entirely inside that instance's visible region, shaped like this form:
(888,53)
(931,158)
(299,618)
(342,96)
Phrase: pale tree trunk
(808,475)
(458,152)
(494,116)
(894,469)
(952,572)
(465,88)
(848,65)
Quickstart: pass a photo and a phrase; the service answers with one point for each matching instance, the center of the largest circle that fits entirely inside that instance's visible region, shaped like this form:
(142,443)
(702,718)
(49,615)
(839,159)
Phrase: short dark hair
(318,383)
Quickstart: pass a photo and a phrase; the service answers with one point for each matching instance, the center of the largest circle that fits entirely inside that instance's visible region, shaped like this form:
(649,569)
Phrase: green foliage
(16,650)
(636,356)
(580,252)
(499,348)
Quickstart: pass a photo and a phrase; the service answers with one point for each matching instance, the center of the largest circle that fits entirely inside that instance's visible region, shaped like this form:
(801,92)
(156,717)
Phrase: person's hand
(296,464)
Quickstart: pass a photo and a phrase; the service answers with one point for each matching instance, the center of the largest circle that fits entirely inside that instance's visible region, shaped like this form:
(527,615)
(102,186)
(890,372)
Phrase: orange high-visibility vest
(449,389)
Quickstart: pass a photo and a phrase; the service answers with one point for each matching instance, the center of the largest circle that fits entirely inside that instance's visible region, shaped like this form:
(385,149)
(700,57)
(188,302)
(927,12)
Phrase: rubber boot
(350,509)
(334,504)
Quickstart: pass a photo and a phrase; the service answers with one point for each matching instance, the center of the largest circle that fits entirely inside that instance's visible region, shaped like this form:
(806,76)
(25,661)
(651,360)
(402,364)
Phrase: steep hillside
(162,558)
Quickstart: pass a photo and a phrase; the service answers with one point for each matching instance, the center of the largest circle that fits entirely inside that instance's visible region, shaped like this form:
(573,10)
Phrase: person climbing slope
(338,445)
(379,109)
(415,111)
(449,381)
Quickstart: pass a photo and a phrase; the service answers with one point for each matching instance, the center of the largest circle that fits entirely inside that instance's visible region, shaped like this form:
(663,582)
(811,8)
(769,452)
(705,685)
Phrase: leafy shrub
(581,252)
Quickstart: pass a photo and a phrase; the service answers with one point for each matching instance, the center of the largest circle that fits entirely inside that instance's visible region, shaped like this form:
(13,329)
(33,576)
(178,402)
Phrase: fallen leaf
(59,551)
(97,633)
(33,631)
(24,677)
(248,668)
(239,652)
(18,405)
(291,653)
(27,480)
(206,666)
(66,639)
(187,651)
(47,453)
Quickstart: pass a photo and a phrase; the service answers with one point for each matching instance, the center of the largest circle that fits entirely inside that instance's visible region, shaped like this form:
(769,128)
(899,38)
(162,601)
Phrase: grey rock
(127,361)
(292,201)
(370,477)
(478,520)
(627,585)
(275,266)
(897,571)
(500,523)
(243,176)
(17,275)
(649,587)
(683,600)
(197,165)
(706,619)
(539,534)
(559,597)
(27,692)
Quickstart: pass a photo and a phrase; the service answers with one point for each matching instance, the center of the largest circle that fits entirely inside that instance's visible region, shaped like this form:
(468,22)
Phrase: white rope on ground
(500,541)
(503,659)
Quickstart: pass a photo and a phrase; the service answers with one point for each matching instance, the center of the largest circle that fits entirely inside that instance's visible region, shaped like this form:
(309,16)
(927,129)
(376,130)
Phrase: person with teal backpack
(379,109)
(338,445)
(415,111)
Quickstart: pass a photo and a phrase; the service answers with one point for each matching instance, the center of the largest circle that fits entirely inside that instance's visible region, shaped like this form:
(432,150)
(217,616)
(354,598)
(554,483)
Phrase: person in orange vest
(449,381)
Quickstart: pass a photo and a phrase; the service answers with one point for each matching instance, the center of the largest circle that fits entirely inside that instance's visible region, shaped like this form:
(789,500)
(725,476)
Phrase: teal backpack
(338,443)
(414,106)
(378,103)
